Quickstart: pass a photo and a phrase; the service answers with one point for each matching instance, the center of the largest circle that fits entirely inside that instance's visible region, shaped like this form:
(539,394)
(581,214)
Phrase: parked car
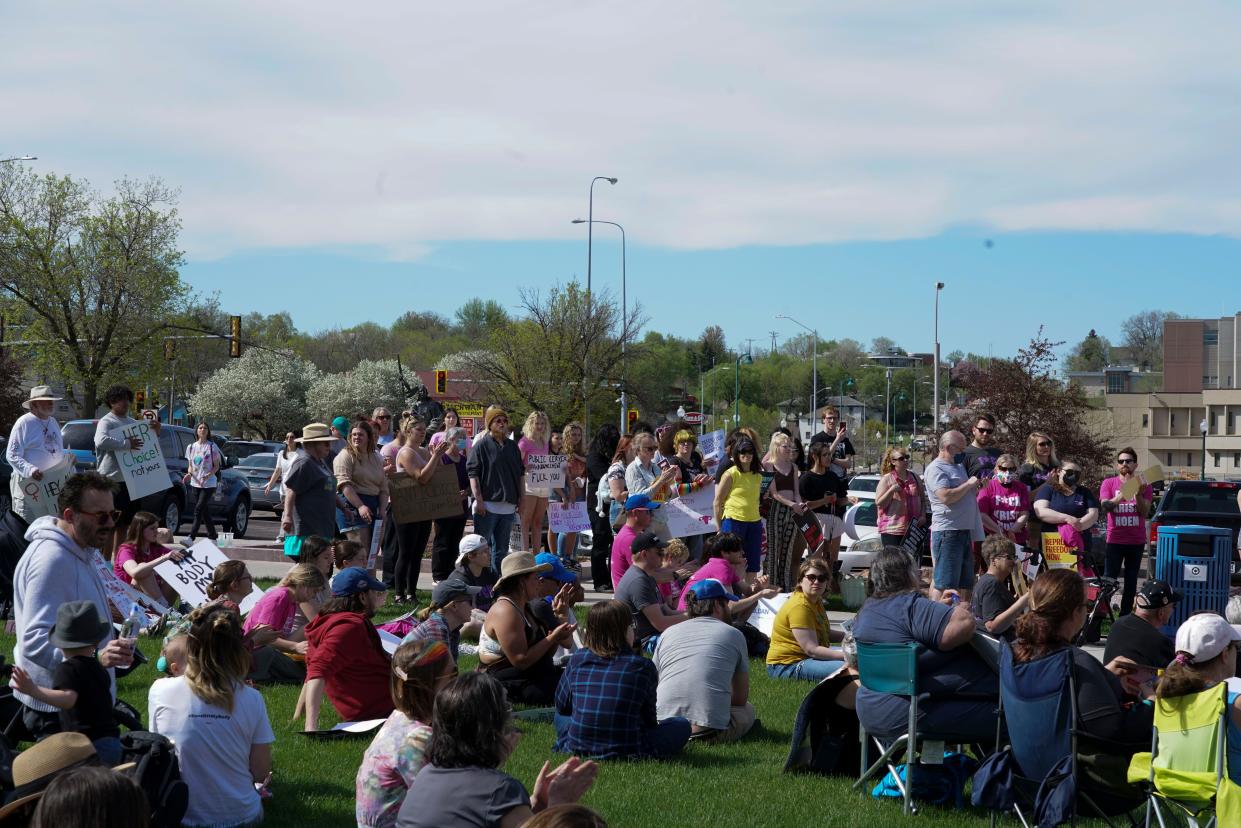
(1201,503)
(237,450)
(257,470)
(230,505)
(864,485)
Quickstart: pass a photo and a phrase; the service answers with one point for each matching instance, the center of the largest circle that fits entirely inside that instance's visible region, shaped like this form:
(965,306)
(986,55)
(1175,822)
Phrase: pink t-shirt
(276,609)
(1125,524)
(717,568)
(528,447)
(1005,504)
(129,552)
(622,553)
(909,492)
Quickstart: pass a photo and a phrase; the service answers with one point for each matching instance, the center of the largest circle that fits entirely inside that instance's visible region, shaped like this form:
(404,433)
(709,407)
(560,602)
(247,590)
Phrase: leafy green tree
(1091,354)
(477,319)
(96,276)
(261,394)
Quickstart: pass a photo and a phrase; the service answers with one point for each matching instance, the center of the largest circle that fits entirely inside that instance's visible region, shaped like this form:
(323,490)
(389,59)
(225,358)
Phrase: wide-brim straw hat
(517,564)
(38,764)
(316,433)
(40,393)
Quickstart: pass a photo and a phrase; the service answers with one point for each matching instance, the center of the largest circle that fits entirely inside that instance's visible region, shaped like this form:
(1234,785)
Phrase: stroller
(1099,593)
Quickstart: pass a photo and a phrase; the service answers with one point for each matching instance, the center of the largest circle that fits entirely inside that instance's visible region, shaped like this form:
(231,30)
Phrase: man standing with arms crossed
(980,455)
(955,520)
(497,480)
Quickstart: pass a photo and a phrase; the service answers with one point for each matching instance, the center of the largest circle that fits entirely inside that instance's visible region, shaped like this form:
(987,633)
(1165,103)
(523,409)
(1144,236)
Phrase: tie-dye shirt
(388,769)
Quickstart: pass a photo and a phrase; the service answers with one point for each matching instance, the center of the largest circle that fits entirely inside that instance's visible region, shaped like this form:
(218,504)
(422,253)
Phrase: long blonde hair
(528,427)
(304,575)
(778,439)
(216,657)
(1032,449)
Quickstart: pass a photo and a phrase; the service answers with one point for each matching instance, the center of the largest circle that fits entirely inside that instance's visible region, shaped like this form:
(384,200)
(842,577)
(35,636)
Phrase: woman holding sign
(1067,507)
(574,490)
(205,461)
(138,556)
(1126,499)
(360,478)
(411,538)
(35,446)
(534,440)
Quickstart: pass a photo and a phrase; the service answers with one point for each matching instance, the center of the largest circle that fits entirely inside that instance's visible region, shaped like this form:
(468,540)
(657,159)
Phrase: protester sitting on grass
(218,725)
(347,553)
(1111,728)
(452,601)
(1206,654)
(513,648)
(278,607)
(399,750)
(605,702)
(472,736)
(674,556)
(639,509)
(345,656)
(474,567)
(138,556)
(897,613)
(79,682)
(724,561)
(566,816)
(639,590)
(994,601)
(704,667)
(92,797)
(801,636)
(174,653)
(317,552)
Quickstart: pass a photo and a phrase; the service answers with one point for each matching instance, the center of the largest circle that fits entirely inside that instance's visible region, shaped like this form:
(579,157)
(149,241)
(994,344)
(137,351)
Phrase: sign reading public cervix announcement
(143,468)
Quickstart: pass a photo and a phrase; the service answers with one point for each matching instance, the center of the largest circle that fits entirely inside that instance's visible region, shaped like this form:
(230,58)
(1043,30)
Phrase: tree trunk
(90,400)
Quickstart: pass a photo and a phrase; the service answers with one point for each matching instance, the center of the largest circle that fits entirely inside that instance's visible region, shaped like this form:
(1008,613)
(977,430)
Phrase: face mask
(1069,478)
(461,444)
(1005,477)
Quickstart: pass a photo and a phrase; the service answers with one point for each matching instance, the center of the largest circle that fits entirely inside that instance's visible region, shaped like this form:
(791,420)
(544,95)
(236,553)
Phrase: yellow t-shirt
(797,612)
(742,500)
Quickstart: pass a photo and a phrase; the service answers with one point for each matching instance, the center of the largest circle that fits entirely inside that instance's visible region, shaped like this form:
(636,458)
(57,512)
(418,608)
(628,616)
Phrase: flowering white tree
(371,383)
(261,394)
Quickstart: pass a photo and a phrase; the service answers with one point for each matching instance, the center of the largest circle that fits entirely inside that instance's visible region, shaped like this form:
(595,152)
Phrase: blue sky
(829,160)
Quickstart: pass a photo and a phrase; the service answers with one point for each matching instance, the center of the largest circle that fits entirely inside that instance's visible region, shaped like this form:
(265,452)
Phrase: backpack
(158,774)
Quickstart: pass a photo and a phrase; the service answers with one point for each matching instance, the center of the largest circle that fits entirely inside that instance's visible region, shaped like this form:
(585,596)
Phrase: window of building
(1215,460)
(1210,381)
(1169,458)
(1236,459)
(1146,420)
(1172,422)
(1210,336)
(1115,384)
(1189,458)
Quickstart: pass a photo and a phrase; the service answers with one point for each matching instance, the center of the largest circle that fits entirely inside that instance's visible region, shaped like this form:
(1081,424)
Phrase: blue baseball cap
(708,589)
(353,580)
(640,501)
(558,570)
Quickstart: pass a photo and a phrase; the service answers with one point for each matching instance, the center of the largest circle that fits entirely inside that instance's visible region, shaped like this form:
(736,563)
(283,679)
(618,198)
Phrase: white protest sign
(143,468)
(40,496)
(191,575)
(711,446)
(572,519)
(764,616)
(691,514)
(377,530)
(1027,560)
(122,595)
(544,471)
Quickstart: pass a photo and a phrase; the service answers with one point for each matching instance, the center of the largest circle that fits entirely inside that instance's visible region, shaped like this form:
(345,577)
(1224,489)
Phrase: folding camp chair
(893,668)
(1186,763)
(1038,705)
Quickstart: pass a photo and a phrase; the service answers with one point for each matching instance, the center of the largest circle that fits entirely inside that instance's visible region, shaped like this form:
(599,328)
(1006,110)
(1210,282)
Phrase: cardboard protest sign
(691,514)
(40,496)
(1056,553)
(544,471)
(413,502)
(764,616)
(143,468)
(191,575)
(573,519)
(711,447)
(1130,490)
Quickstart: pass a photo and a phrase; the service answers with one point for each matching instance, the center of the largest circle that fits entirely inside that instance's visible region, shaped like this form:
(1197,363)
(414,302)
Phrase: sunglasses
(1004,468)
(384,417)
(1043,445)
(814,577)
(896,457)
(982,430)
(1127,461)
(104,518)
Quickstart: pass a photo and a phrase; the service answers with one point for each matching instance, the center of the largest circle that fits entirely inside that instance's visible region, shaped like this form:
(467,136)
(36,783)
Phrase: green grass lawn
(708,785)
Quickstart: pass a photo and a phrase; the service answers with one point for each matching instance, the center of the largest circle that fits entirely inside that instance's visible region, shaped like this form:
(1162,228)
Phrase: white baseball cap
(1205,635)
(470,543)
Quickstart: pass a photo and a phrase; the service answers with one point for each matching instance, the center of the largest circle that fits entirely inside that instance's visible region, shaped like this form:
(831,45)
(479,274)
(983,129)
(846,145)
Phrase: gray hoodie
(106,446)
(53,570)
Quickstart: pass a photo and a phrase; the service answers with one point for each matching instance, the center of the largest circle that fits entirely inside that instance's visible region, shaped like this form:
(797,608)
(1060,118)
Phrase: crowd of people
(666,661)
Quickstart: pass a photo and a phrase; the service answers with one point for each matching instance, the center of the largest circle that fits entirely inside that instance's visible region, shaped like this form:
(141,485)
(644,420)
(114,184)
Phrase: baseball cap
(1204,636)
(709,589)
(353,580)
(646,540)
(640,501)
(450,589)
(1157,594)
(469,543)
(558,570)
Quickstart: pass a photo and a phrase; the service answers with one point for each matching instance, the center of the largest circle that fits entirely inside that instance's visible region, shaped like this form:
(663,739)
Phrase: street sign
(694,417)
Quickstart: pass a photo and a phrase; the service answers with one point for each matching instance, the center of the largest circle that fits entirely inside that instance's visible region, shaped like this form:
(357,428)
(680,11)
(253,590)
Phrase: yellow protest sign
(466,409)
(1056,553)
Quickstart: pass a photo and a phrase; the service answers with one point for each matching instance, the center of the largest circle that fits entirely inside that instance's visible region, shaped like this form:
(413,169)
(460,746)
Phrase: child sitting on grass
(675,554)
(173,654)
(81,687)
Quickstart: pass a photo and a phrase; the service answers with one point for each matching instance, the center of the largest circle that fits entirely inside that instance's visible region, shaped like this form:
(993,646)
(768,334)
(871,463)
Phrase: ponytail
(1054,597)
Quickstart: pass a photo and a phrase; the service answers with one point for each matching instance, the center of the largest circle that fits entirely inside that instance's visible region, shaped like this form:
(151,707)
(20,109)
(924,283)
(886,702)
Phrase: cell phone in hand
(664,463)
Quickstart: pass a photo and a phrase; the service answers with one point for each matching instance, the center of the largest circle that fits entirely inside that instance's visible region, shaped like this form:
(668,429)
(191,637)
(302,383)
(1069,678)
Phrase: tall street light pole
(590,216)
(887,411)
(814,394)
(747,359)
(624,401)
(935,391)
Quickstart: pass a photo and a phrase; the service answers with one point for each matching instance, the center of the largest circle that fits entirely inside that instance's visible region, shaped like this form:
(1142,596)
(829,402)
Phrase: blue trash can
(1196,561)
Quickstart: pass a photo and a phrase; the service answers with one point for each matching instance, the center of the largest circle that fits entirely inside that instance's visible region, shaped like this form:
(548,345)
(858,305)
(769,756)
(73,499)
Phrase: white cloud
(399,125)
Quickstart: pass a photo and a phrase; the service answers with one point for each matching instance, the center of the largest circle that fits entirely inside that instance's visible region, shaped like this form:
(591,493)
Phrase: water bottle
(133,624)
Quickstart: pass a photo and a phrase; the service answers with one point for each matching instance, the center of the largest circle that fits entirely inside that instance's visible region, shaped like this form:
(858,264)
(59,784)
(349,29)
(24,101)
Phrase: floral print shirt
(388,769)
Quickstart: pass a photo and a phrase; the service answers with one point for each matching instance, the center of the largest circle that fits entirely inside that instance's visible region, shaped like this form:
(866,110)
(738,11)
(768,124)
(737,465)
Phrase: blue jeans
(667,738)
(496,529)
(751,534)
(563,550)
(953,552)
(810,669)
(109,750)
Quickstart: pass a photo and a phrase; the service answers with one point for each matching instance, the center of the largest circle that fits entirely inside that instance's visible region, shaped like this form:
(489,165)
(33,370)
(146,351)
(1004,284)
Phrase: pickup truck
(1201,503)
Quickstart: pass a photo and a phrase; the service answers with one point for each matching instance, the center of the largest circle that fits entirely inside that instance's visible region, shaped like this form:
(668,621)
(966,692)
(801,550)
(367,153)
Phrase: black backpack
(158,774)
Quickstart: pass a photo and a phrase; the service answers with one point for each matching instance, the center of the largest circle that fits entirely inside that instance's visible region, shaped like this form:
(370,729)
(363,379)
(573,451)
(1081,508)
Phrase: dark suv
(1200,503)
(230,505)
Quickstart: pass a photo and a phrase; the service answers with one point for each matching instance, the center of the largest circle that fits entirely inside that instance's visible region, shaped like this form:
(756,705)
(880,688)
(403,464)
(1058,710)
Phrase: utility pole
(773,342)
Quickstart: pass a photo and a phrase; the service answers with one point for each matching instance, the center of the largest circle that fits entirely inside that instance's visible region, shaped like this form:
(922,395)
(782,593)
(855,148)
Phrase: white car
(861,540)
(864,485)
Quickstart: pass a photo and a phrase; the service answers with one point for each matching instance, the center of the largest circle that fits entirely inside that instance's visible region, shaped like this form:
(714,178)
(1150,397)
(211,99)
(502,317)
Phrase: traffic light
(234,345)
(170,349)
(631,419)
(140,399)
(441,382)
